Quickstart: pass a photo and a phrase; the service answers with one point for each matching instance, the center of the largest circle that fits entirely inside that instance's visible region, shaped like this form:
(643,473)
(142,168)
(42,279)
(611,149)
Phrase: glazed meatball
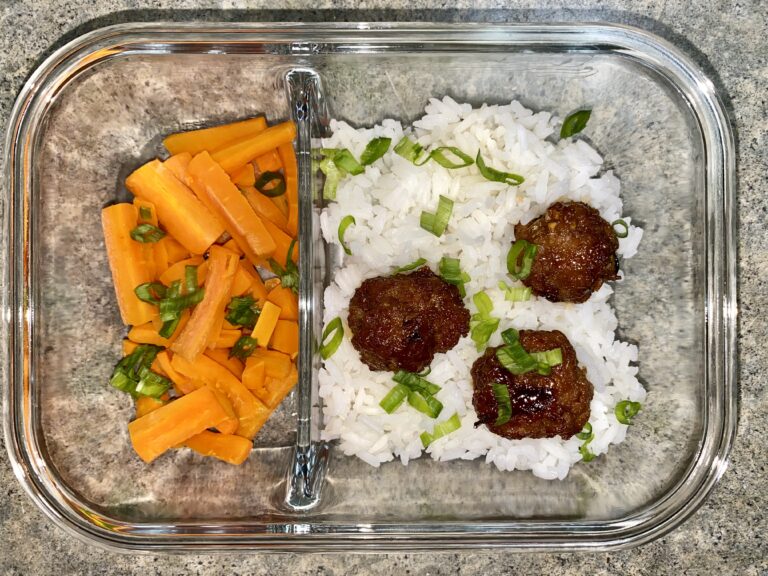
(542,406)
(576,252)
(400,322)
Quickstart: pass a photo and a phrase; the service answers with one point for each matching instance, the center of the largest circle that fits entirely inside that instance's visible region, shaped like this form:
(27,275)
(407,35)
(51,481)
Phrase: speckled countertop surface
(728,38)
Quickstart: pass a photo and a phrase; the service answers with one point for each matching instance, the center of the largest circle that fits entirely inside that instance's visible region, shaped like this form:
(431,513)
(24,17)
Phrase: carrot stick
(147,404)
(287,300)
(195,141)
(174,250)
(236,155)
(228,426)
(241,284)
(282,244)
(227,338)
(281,204)
(232,246)
(156,432)
(275,389)
(285,338)
(178,166)
(244,177)
(266,323)
(178,210)
(221,355)
(226,447)
(291,171)
(193,339)
(269,162)
(177,271)
(254,374)
(147,334)
(126,261)
(242,223)
(276,364)
(265,208)
(182,384)
(258,290)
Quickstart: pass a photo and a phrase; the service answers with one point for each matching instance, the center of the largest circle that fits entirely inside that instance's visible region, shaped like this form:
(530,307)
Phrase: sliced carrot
(178,210)
(127,262)
(265,208)
(282,244)
(169,426)
(181,384)
(282,204)
(290,169)
(269,162)
(276,364)
(174,250)
(244,177)
(226,447)
(147,334)
(285,338)
(147,404)
(250,411)
(177,271)
(287,300)
(242,282)
(178,166)
(266,323)
(258,290)
(275,389)
(228,426)
(238,154)
(195,141)
(254,373)
(221,355)
(193,339)
(227,338)
(232,246)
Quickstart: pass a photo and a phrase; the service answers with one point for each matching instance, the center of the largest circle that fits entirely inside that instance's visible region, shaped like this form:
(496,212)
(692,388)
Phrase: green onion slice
(169,327)
(552,357)
(150,292)
(190,278)
(243,348)
(482,325)
(145,213)
(170,308)
(515,293)
(333,176)
(510,336)
(374,150)
(437,223)
(289,275)
(412,266)
(332,337)
(271,184)
(497,175)
(242,311)
(586,434)
(151,384)
(504,404)
(623,231)
(439,155)
(343,225)
(575,123)
(394,398)
(425,403)
(347,163)
(586,454)
(450,271)
(132,373)
(516,359)
(411,151)
(147,234)
(520,270)
(441,429)
(416,382)
(626,410)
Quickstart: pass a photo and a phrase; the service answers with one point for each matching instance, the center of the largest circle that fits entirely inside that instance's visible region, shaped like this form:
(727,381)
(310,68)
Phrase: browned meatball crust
(576,252)
(542,406)
(400,322)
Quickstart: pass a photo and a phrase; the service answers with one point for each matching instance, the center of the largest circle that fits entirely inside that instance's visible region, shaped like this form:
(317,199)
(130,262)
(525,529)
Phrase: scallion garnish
(150,292)
(394,398)
(586,454)
(242,311)
(271,184)
(437,223)
(134,376)
(515,293)
(243,348)
(587,435)
(411,151)
(425,403)
(415,154)
(190,278)
(626,410)
(416,382)
(439,156)
(343,225)
(624,228)
(346,162)
(497,175)
(412,266)
(337,163)
(289,275)
(450,271)
(482,325)
(331,339)
(551,358)
(441,429)
(374,150)
(503,403)
(170,308)
(147,234)
(575,123)
(520,269)
(515,359)
(332,177)
(419,391)
(145,213)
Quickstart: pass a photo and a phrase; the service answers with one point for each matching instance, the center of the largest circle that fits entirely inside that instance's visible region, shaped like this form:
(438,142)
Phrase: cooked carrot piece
(126,261)
(221,355)
(269,162)
(147,334)
(290,169)
(195,141)
(193,339)
(169,426)
(228,426)
(178,210)
(282,204)
(227,447)
(238,154)
(276,364)
(254,373)
(287,300)
(265,208)
(250,411)
(177,271)
(258,290)
(275,389)
(178,165)
(266,323)
(227,338)
(181,384)
(174,250)
(147,404)
(244,177)
(282,244)
(232,246)
(242,223)
(285,338)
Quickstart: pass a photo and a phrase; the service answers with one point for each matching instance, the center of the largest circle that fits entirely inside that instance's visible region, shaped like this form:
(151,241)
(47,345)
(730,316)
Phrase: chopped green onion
(335,330)
(425,403)
(190,278)
(626,410)
(515,293)
(483,303)
(517,269)
(424,373)
(437,223)
(504,404)
(450,271)
(439,156)
(374,150)
(416,382)
(586,454)
(271,184)
(150,292)
(552,357)
(243,348)
(169,327)
(516,359)
(147,234)
(575,123)
(497,175)
(624,228)
(333,176)
(441,429)
(151,384)
(347,163)
(242,311)
(145,213)
(510,336)
(170,308)
(482,325)
(412,266)
(289,276)
(411,151)
(132,373)
(394,398)
(343,225)
(586,433)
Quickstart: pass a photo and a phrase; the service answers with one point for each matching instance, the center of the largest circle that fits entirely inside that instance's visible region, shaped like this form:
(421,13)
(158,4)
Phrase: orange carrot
(244,177)
(254,373)
(178,166)
(227,447)
(195,141)
(269,162)
(258,290)
(174,250)
(285,338)
(264,207)
(266,323)
(181,384)
(282,204)
(287,300)
(290,169)
(166,427)
(282,244)
(250,411)
(228,426)
(227,338)
(241,284)
(178,270)
(238,154)
(147,404)
(178,210)
(232,246)
(193,339)
(242,223)
(126,261)
(276,364)
(221,355)
(275,389)
(147,334)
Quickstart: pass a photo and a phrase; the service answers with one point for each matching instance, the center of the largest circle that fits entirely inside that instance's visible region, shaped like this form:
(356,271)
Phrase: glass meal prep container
(99,107)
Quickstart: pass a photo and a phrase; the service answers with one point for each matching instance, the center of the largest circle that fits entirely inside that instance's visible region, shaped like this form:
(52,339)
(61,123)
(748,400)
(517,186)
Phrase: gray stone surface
(726,536)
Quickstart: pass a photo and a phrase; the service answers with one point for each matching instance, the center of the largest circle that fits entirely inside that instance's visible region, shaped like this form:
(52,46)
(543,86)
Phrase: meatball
(576,252)
(399,322)
(542,406)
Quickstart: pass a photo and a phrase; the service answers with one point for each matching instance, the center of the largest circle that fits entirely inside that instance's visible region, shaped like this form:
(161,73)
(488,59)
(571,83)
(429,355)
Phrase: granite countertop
(727,38)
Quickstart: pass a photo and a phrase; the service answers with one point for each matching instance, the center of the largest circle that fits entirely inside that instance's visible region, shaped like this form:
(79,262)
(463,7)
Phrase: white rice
(387,201)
